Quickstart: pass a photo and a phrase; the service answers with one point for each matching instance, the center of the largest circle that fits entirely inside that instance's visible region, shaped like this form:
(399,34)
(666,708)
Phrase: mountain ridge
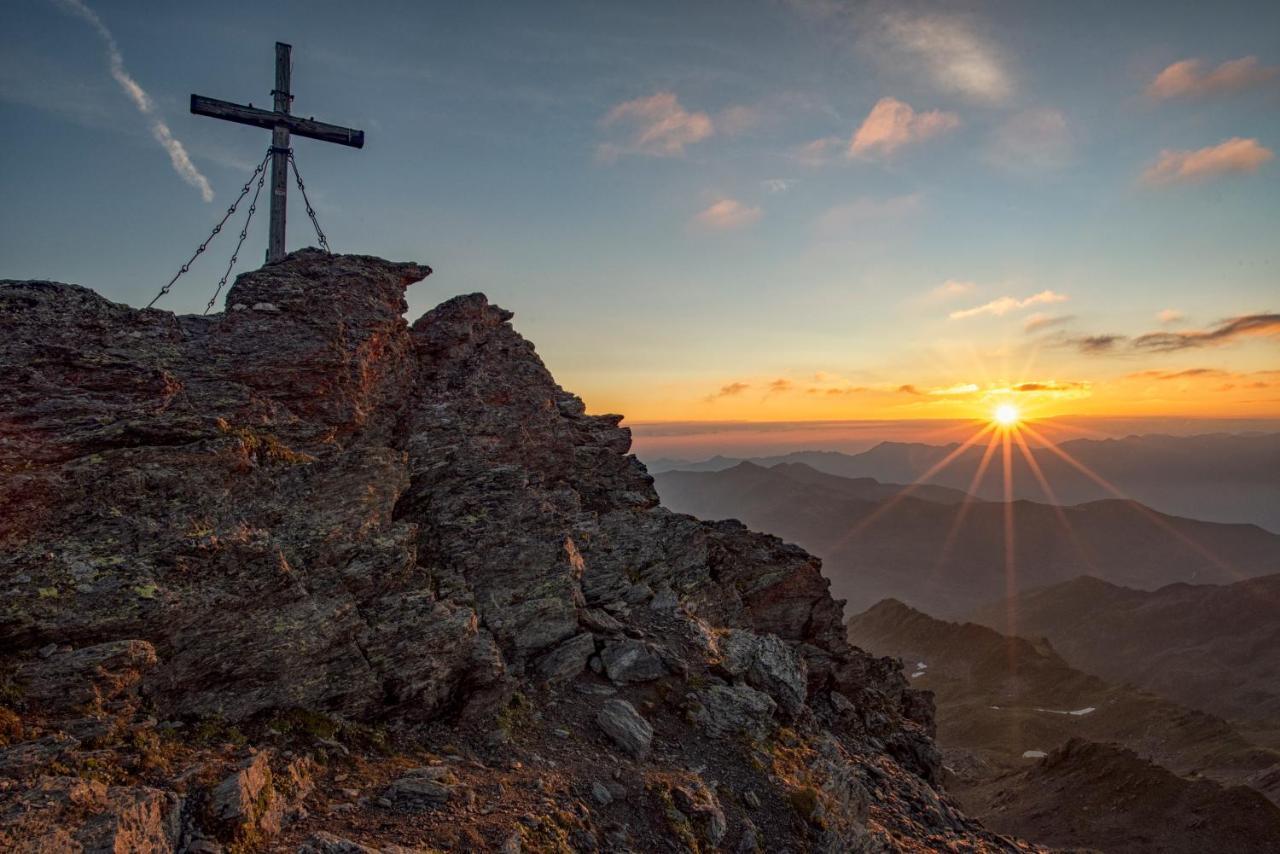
(301,574)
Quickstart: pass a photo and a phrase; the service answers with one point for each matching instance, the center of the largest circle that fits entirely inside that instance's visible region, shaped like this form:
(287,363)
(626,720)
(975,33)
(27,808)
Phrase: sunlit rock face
(237,542)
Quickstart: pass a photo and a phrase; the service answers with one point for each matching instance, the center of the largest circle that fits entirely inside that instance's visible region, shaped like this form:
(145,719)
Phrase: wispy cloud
(1003,305)
(1168,316)
(656,125)
(891,124)
(1233,155)
(1192,78)
(952,53)
(726,215)
(819,152)
(1095,345)
(731,390)
(950,289)
(1224,332)
(1040,321)
(1033,140)
(160,131)
(777,185)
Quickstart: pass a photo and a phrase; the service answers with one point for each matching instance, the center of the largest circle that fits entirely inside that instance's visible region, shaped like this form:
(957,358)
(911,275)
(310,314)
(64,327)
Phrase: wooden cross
(281,124)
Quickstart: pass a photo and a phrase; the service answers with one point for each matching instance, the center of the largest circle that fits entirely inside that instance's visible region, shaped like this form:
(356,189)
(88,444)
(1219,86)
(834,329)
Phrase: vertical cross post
(279,155)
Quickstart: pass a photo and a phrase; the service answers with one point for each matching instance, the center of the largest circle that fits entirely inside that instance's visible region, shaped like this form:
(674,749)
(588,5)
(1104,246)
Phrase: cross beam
(281,124)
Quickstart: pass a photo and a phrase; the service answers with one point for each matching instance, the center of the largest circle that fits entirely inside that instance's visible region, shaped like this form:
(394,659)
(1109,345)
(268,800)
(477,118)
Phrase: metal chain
(324,241)
(216,229)
(235,255)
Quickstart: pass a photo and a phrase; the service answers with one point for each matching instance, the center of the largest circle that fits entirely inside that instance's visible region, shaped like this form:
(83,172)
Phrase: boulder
(724,711)
(627,727)
(628,660)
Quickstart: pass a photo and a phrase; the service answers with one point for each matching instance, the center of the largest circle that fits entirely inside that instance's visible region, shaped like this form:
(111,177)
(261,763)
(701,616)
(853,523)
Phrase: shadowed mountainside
(1212,647)
(1104,797)
(999,697)
(949,558)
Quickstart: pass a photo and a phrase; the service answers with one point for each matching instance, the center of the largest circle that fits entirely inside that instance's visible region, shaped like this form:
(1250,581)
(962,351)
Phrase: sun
(1006,415)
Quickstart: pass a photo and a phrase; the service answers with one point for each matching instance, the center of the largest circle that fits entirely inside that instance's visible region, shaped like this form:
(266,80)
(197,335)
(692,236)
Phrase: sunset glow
(1006,415)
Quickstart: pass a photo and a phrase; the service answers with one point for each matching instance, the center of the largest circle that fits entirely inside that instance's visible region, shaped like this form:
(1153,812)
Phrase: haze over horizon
(772,212)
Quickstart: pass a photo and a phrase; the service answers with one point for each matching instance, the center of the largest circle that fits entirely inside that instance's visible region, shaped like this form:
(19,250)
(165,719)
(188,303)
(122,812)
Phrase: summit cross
(281,123)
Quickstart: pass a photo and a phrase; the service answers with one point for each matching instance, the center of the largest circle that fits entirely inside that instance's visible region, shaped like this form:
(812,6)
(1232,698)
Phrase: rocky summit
(301,576)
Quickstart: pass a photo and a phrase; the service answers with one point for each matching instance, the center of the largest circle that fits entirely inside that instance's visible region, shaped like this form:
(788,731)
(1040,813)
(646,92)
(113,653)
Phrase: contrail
(159,130)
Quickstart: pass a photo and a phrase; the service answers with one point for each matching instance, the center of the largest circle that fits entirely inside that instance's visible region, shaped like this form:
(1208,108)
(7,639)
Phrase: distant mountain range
(1016,722)
(876,544)
(1211,647)
(1217,477)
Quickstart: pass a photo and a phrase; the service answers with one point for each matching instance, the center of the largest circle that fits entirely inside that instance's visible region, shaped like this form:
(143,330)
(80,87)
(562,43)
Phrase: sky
(807,212)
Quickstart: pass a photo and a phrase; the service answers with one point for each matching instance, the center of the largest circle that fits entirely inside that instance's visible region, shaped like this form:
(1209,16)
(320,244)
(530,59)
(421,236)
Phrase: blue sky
(716,210)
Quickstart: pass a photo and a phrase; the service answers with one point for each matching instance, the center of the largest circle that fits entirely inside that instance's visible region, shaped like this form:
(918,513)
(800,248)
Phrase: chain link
(244,191)
(324,241)
(235,255)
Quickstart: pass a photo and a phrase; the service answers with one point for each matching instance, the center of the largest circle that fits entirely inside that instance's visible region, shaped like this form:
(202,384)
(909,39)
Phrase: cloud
(1189,373)
(959,389)
(953,55)
(1225,332)
(1050,387)
(1232,155)
(950,289)
(1168,316)
(840,219)
(656,126)
(1039,321)
(1003,305)
(1094,345)
(909,389)
(730,390)
(818,152)
(726,215)
(178,156)
(777,185)
(1035,140)
(1188,78)
(892,124)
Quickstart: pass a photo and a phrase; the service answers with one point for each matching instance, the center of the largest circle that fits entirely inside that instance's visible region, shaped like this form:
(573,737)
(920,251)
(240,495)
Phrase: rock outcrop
(263,571)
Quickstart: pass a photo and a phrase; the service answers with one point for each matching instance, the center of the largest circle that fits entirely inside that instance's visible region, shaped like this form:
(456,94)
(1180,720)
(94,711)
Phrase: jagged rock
(568,659)
(419,792)
(728,710)
(600,792)
(627,727)
(70,814)
(626,661)
(701,806)
(246,802)
(768,664)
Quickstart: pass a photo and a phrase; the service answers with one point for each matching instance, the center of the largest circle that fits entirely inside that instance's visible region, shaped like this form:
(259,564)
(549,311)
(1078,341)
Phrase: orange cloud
(1188,78)
(1232,155)
(727,214)
(730,390)
(1170,315)
(657,126)
(1039,321)
(1004,305)
(892,124)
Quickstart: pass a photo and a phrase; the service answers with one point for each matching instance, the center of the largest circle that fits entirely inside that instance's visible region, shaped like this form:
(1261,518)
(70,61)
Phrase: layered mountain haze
(299,574)
(932,551)
(1219,477)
